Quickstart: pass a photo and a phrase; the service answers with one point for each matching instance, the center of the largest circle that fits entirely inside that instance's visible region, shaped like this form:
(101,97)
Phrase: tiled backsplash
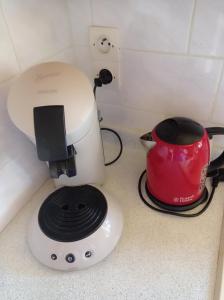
(171,63)
(171,57)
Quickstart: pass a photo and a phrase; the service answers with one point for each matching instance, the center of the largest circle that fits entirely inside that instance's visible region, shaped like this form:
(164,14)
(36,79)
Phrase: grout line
(180,54)
(8,79)
(124,106)
(191,26)
(10,37)
(43,59)
(53,55)
(156,112)
(59,51)
(91,10)
(206,56)
(70,21)
(217,91)
(175,54)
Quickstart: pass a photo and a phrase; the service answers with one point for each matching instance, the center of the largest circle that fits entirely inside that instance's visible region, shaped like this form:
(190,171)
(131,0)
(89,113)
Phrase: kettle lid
(179,131)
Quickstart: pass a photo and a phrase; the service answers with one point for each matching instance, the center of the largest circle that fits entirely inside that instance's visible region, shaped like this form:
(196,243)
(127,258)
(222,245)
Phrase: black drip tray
(72,213)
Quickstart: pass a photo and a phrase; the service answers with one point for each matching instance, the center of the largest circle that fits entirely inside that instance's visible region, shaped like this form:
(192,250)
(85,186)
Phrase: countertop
(158,256)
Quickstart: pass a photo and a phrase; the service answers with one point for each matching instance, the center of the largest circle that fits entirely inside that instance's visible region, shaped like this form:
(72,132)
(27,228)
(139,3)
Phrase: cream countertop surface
(158,256)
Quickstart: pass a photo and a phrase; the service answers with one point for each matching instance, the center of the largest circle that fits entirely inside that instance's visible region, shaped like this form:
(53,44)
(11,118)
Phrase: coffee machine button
(70,258)
(88,253)
(53,256)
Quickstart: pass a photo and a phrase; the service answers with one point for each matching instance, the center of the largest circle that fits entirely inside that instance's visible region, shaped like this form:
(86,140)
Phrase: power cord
(105,77)
(219,177)
(120,142)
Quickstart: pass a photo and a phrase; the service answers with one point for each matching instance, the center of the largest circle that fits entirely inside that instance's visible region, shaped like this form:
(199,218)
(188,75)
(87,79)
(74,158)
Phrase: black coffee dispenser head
(50,134)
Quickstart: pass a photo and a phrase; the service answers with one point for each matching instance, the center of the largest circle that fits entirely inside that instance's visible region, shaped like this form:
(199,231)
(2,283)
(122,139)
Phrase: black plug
(218,177)
(105,77)
(221,174)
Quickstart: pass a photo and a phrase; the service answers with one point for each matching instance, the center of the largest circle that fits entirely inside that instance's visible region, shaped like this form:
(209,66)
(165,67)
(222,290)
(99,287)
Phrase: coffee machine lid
(48,84)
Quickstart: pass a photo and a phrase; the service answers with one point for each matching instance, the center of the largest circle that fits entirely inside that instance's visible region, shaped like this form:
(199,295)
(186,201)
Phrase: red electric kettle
(178,162)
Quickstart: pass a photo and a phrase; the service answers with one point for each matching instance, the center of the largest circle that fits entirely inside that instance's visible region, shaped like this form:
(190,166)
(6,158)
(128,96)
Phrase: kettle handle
(219,161)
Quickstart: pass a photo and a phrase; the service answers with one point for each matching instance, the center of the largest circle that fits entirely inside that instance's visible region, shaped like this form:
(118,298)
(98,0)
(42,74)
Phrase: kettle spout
(147,141)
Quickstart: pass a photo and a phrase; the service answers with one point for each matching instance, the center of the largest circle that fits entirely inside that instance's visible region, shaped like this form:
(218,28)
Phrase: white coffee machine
(63,100)
(78,224)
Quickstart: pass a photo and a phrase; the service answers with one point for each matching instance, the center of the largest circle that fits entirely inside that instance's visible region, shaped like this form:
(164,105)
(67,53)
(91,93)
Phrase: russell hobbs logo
(183,199)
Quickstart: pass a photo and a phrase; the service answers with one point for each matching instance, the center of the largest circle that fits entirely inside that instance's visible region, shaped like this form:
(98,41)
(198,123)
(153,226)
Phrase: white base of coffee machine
(81,253)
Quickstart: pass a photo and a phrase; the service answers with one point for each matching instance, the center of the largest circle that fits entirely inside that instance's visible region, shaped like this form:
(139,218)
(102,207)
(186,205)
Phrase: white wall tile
(118,116)
(67,56)
(8,63)
(84,60)
(208,28)
(147,24)
(39,29)
(80,16)
(106,94)
(218,113)
(169,84)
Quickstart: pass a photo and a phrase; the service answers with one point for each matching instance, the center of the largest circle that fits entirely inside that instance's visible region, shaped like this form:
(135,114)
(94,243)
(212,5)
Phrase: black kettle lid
(179,131)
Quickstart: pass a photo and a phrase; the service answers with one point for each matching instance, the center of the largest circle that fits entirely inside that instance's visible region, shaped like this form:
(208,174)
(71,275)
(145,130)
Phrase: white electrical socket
(104,45)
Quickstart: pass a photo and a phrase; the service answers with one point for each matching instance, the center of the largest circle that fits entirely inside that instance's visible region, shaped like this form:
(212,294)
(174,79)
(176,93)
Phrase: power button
(70,258)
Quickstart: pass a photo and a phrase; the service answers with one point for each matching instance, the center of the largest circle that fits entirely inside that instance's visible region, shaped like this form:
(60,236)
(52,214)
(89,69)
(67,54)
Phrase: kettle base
(170,207)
